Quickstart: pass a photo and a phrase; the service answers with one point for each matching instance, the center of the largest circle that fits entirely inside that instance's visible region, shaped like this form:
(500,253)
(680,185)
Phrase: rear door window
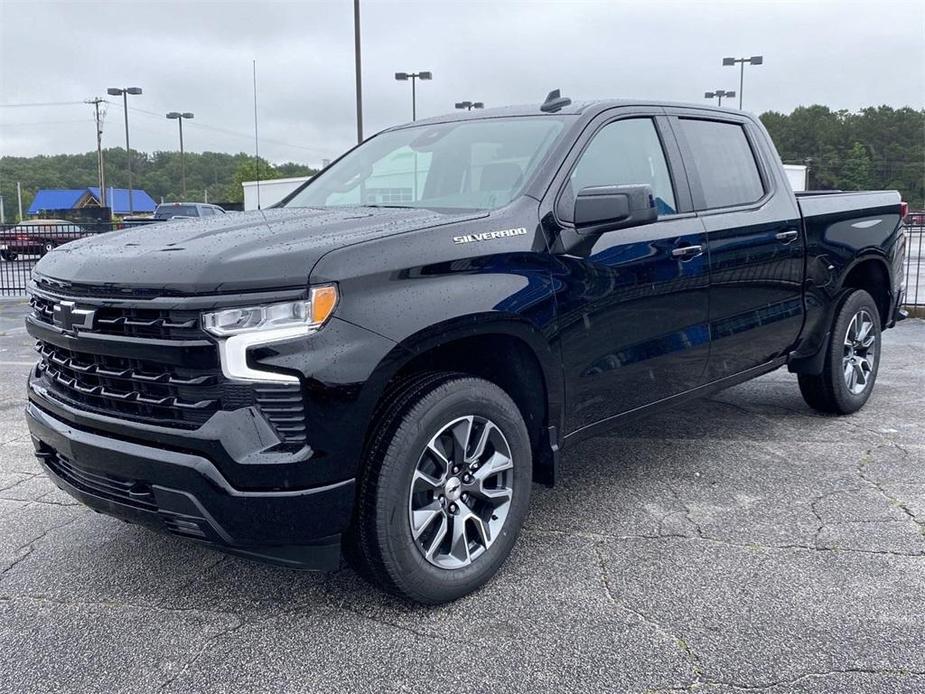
(723,161)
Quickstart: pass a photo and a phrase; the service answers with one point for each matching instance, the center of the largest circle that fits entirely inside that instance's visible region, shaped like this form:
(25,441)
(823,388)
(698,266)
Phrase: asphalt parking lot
(741,543)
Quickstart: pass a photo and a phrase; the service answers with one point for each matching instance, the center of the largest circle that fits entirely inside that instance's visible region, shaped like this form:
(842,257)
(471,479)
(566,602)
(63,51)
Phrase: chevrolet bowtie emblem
(67,316)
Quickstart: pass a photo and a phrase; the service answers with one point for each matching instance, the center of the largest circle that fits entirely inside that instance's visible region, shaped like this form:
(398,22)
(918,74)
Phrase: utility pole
(19,197)
(101,179)
(359,68)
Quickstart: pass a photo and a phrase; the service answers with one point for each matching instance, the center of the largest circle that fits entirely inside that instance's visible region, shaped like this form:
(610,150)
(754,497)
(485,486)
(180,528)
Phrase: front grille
(142,390)
(131,322)
(179,383)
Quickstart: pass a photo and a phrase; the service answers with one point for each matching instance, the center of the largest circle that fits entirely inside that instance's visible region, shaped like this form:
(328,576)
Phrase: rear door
(754,235)
(632,305)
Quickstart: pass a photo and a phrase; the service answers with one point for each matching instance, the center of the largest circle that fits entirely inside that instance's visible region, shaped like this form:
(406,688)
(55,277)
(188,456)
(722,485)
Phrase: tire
(404,485)
(48,247)
(8,256)
(852,358)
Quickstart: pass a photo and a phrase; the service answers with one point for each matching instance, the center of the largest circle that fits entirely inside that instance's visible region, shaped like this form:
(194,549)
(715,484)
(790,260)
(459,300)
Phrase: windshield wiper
(400,207)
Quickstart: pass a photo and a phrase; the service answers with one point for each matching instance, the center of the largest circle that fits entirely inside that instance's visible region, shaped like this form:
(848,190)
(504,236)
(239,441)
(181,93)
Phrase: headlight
(240,329)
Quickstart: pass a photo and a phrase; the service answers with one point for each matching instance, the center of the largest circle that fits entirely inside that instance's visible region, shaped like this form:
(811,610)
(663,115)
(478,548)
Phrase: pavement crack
(206,642)
(863,473)
(729,543)
(683,646)
(30,546)
(30,476)
(687,512)
(814,675)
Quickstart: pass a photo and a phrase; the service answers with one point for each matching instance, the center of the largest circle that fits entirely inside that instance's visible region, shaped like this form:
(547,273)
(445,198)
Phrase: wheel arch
(504,349)
(871,272)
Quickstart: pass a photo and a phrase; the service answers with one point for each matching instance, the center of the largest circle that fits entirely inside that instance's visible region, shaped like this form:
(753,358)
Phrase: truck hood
(267,249)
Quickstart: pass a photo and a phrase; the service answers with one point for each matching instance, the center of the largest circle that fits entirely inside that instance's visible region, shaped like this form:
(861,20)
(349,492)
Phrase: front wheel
(48,247)
(8,256)
(852,359)
(445,489)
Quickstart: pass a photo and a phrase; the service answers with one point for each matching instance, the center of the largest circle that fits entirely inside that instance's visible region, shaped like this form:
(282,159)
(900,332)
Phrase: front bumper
(185,494)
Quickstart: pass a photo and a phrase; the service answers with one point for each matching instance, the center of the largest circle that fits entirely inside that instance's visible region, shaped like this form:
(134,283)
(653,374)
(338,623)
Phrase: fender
(823,301)
(485,325)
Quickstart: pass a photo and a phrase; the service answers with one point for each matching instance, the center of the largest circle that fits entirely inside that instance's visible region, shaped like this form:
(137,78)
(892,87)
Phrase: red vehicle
(38,237)
(915,218)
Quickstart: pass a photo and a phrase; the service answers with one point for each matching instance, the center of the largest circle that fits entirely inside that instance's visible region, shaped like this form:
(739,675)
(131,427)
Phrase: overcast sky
(196,56)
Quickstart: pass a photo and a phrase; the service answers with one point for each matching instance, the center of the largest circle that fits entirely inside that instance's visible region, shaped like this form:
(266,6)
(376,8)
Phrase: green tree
(214,174)
(856,172)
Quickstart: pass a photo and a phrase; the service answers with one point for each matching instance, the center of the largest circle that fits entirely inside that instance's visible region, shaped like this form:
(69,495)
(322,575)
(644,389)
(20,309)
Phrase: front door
(633,311)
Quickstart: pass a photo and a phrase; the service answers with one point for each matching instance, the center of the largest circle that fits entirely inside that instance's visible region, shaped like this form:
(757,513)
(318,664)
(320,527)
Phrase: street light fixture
(176,115)
(719,94)
(124,92)
(413,76)
(469,105)
(754,60)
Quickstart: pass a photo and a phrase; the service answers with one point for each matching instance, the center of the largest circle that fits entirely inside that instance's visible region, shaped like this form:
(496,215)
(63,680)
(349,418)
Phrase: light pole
(358,67)
(754,60)
(176,115)
(719,94)
(413,76)
(469,105)
(124,92)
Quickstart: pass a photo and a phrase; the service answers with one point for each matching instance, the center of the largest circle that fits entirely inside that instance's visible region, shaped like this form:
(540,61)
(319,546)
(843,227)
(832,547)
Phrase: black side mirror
(605,208)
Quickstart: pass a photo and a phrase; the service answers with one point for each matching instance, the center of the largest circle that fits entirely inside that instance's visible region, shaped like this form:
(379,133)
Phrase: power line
(43,103)
(41,122)
(225,131)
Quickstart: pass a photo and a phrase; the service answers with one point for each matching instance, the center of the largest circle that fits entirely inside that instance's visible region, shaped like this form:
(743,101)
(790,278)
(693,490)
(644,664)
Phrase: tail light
(903,209)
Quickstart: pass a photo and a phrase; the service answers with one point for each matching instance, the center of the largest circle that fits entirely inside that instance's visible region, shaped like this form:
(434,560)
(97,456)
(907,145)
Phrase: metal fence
(915,263)
(22,245)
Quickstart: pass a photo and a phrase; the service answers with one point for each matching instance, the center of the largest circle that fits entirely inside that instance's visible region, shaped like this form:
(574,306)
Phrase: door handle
(686,252)
(787,236)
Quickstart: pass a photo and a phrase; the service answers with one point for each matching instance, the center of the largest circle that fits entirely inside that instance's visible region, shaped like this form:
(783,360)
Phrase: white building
(271,191)
(796,174)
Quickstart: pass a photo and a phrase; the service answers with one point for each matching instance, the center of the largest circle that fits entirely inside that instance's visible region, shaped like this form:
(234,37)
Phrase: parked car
(185,210)
(378,367)
(37,237)
(916,218)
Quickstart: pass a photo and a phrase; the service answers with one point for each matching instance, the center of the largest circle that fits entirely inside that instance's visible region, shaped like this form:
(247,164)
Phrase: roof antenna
(554,102)
(256,139)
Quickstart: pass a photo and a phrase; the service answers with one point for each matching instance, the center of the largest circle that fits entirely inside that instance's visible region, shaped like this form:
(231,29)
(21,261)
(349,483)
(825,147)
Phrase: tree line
(880,148)
(214,174)
(875,148)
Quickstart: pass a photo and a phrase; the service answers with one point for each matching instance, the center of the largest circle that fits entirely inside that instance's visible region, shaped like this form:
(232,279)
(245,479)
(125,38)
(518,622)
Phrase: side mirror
(605,208)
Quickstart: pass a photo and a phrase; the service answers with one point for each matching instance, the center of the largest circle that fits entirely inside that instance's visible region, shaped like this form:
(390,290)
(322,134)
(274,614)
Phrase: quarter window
(723,161)
(627,152)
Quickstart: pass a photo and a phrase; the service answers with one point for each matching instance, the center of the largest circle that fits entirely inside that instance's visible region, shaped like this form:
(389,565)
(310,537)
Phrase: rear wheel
(445,489)
(852,359)
(8,256)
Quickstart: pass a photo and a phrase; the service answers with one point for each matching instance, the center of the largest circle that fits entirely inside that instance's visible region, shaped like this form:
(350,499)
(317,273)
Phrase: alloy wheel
(860,352)
(461,492)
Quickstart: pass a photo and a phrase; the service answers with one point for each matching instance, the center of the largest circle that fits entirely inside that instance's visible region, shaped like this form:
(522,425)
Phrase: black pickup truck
(378,367)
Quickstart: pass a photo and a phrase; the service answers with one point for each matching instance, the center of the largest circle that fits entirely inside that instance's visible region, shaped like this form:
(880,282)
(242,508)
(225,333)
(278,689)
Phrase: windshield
(168,211)
(467,165)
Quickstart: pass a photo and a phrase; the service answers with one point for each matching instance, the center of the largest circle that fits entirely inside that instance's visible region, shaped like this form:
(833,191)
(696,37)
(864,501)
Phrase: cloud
(196,56)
